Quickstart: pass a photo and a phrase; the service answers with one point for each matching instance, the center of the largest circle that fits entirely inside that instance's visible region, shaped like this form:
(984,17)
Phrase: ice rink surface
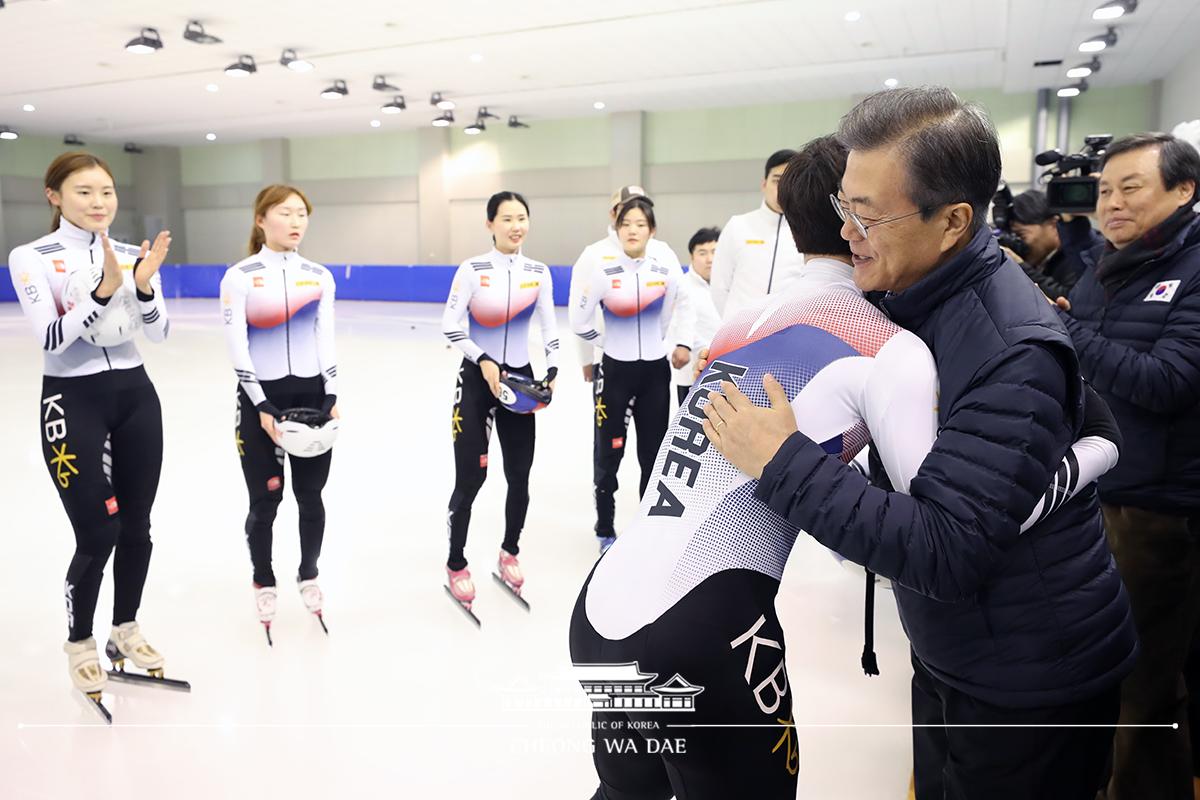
(404,698)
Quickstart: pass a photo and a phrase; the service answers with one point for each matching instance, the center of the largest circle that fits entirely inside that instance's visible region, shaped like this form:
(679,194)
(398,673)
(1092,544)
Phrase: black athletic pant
(262,467)
(475,409)
(995,761)
(724,642)
(102,440)
(624,390)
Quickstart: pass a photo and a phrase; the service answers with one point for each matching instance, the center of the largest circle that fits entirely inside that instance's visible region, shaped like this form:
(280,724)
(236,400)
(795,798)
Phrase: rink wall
(416,283)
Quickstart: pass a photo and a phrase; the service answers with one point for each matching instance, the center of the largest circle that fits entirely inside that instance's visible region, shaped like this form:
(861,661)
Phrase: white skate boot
(310,593)
(126,641)
(83,663)
(264,600)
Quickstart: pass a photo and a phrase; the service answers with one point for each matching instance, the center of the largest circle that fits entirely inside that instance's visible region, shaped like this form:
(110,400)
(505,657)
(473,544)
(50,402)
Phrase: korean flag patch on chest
(1163,292)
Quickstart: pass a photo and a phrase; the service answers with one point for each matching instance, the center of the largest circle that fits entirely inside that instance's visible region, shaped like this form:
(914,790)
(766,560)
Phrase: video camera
(1002,219)
(1078,193)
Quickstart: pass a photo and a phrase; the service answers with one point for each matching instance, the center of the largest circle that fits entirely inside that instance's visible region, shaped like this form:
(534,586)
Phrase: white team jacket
(39,271)
(756,256)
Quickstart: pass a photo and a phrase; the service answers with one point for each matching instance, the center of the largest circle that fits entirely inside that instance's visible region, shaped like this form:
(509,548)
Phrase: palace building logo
(624,687)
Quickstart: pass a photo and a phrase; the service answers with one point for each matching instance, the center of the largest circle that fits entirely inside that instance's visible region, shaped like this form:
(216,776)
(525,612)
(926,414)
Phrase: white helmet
(119,320)
(306,432)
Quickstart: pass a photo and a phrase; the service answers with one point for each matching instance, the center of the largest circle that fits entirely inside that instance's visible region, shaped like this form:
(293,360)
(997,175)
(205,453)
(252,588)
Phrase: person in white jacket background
(696,292)
(756,255)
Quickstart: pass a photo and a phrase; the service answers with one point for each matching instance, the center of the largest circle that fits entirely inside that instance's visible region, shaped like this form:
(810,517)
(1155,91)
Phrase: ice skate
(83,663)
(264,599)
(461,589)
(311,594)
(606,542)
(508,575)
(126,642)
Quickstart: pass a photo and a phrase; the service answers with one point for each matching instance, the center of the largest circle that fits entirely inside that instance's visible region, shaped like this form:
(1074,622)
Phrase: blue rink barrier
(415,283)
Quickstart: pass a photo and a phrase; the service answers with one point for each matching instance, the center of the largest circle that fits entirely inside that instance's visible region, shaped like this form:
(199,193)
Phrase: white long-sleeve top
(637,297)
(704,318)
(599,254)
(278,313)
(756,256)
(498,294)
(39,272)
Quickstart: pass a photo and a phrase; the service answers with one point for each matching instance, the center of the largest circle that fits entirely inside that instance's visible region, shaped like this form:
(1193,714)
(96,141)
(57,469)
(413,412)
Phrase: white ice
(404,698)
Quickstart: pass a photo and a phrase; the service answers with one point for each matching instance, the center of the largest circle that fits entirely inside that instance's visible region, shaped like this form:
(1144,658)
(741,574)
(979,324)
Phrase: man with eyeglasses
(1009,631)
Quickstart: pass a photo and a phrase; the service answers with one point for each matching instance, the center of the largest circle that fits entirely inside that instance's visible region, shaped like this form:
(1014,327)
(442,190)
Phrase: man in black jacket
(1007,629)
(1054,244)
(1135,320)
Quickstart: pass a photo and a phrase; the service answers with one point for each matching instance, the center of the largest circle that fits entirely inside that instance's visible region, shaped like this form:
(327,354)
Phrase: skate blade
(511,592)
(121,676)
(321,619)
(94,699)
(463,606)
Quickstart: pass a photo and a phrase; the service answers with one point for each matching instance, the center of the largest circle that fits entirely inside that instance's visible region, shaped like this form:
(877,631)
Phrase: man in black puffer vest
(1135,320)
(1007,629)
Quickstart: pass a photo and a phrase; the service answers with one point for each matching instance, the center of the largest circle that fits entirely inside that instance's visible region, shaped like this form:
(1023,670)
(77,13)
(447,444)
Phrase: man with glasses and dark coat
(1019,641)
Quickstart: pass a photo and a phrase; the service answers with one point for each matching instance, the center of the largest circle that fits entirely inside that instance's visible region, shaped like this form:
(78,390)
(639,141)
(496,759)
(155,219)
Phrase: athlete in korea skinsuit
(677,622)
(277,308)
(496,295)
(100,419)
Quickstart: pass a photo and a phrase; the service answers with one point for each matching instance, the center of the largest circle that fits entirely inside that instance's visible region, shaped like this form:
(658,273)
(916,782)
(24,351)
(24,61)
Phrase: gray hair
(950,147)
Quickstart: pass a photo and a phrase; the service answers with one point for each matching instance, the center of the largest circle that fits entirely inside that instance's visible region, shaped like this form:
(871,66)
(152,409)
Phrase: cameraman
(1135,322)
(1055,248)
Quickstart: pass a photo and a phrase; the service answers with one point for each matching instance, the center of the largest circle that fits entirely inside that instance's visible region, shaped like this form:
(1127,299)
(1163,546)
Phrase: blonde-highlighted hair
(267,199)
(64,167)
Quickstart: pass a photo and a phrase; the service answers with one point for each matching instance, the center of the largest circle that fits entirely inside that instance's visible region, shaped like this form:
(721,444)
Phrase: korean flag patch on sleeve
(1163,292)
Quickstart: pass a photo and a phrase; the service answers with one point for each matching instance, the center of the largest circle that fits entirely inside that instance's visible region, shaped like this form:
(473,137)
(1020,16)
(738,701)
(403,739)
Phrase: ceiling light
(7,133)
(146,42)
(853,16)
(1100,42)
(130,147)
(395,106)
(71,140)
(375,123)
(1112,10)
(444,119)
(212,137)
(598,105)
(513,122)
(28,107)
(444,104)
(194,32)
(476,57)
(294,62)
(1084,70)
(212,87)
(244,67)
(1074,90)
(336,92)
(483,113)
(891,83)
(475,128)
(380,84)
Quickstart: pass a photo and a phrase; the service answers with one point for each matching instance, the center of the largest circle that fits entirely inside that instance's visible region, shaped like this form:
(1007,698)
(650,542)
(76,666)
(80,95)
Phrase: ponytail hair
(267,199)
(64,167)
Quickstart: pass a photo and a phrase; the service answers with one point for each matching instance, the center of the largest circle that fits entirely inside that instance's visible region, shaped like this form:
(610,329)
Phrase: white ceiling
(540,58)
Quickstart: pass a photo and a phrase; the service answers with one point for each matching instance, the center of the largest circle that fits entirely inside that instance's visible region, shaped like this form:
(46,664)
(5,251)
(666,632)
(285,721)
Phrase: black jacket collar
(979,259)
